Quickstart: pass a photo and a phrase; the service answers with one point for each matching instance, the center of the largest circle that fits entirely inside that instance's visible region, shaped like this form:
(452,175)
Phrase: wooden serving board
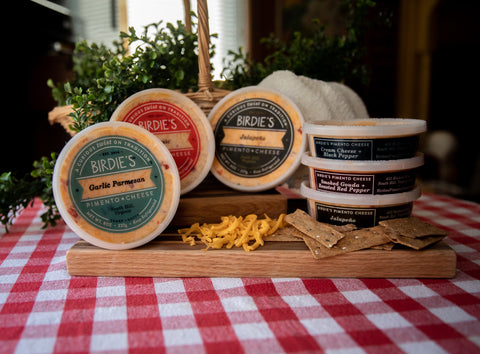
(173,258)
(168,256)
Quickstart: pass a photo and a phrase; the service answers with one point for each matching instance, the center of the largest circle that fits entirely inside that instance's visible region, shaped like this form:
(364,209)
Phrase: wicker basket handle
(205,82)
(204,76)
(188,18)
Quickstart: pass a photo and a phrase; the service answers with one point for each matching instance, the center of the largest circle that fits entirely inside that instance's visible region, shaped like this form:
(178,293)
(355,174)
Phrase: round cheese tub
(365,139)
(363,177)
(180,124)
(259,139)
(116,185)
(360,210)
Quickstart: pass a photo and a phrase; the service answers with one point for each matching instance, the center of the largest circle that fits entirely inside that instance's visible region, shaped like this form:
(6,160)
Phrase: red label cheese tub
(180,124)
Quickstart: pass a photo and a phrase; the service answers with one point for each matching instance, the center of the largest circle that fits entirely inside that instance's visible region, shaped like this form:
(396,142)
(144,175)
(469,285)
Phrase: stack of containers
(362,171)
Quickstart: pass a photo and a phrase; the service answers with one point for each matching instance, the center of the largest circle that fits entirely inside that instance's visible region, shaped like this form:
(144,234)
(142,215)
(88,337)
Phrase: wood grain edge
(210,208)
(275,259)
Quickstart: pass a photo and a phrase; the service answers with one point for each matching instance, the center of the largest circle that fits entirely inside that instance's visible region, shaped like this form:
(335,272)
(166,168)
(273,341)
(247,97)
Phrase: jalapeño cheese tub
(116,185)
(259,139)
(360,210)
(180,124)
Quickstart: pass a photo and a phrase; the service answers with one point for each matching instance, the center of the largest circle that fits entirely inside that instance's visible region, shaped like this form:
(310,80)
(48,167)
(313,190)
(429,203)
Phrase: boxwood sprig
(165,56)
(18,193)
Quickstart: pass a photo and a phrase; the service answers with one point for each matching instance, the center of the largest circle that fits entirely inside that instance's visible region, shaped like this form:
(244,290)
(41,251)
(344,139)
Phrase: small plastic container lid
(116,185)
(259,139)
(180,124)
(362,165)
(359,200)
(369,127)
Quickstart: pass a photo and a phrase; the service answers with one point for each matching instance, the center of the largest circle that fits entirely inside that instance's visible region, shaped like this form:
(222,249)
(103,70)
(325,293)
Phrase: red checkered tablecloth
(44,310)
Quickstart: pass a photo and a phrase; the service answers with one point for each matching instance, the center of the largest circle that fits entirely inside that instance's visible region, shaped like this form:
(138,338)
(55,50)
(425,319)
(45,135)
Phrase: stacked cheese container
(362,171)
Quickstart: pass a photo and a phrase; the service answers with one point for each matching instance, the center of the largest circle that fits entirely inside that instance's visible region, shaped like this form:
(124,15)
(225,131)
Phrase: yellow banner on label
(118,183)
(253,137)
(177,140)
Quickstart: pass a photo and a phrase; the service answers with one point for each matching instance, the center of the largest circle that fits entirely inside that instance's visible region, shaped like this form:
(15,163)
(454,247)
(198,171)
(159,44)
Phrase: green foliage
(14,197)
(43,174)
(17,194)
(166,56)
(315,55)
(240,71)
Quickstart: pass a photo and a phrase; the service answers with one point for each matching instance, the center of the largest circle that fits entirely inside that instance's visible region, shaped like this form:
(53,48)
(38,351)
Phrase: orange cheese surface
(116,185)
(181,126)
(259,139)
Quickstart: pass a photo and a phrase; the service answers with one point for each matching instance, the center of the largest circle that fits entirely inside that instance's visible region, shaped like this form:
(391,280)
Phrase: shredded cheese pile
(246,232)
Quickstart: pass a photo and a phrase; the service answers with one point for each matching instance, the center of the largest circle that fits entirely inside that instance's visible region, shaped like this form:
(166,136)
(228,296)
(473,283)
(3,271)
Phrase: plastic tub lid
(259,139)
(361,165)
(178,122)
(368,127)
(360,200)
(116,185)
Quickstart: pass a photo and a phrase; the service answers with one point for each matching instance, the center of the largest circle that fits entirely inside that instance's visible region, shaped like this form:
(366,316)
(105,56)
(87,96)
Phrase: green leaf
(180,74)
(67,87)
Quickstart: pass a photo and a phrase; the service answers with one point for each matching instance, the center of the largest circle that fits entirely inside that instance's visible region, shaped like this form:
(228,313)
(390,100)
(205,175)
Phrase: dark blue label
(361,217)
(366,149)
(354,183)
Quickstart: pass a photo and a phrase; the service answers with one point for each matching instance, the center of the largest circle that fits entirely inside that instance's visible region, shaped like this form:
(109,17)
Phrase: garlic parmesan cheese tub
(363,177)
(259,139)
(180,124)
(365,139)
(116,185)
(360,210)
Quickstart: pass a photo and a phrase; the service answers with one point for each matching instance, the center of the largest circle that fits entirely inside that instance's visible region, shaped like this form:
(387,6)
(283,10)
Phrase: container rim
(368,127)
(360,200)
(363,165)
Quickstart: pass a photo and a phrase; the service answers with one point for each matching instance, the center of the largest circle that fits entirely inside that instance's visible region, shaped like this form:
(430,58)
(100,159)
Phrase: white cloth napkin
(317,100)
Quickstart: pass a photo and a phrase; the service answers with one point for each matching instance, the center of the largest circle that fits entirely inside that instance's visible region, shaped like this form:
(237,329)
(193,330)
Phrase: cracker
(352,241)
(287,233)
(321,232)
(344,228)
(412,227)
(385,247)
(415,243)
(316,248)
